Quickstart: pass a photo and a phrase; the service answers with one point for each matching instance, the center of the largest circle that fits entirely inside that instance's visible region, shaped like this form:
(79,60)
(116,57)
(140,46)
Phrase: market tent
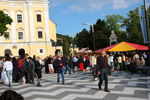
(85,50)
(105,49)
(124,46)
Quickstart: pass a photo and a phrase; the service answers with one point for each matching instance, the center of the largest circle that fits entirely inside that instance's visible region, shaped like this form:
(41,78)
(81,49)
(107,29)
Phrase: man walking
(60,69)
(102,68)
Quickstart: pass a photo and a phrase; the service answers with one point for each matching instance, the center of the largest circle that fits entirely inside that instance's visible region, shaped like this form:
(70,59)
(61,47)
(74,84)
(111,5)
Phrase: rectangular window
(40,35)
(6,35)
(20,35)
(41,51)
(19,18)
(39,19)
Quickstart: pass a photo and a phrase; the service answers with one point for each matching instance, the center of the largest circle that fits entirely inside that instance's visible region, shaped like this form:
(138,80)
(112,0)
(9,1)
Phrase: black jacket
(102,62)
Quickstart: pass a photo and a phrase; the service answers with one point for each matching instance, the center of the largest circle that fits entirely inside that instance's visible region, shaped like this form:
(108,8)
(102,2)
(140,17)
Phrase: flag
(143,24)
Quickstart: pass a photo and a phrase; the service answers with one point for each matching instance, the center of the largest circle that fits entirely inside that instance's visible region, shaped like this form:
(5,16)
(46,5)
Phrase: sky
(70,14)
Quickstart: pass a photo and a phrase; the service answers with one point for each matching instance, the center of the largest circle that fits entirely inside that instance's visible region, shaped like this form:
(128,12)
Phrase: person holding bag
(8,67)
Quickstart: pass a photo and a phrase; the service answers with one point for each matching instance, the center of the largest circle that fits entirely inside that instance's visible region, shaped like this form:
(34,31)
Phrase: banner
(143,24)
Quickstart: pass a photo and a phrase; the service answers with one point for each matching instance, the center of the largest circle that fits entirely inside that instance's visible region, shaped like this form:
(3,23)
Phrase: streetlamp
(147,20)
(92,26)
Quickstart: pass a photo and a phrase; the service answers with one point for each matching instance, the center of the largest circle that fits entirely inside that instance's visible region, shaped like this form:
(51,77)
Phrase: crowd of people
(25,69)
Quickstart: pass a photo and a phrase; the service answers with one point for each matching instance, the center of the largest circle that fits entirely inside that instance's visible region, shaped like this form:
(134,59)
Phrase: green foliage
(114,22)
(66,41)
(4,20)
(83,39)
(101,35)
(126,29)
(132,24)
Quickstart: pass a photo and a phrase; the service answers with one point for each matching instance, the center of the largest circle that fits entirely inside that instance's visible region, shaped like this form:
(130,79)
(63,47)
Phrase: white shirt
(93,60)
(74,59)
(8,65)
(111,58)
(144,56)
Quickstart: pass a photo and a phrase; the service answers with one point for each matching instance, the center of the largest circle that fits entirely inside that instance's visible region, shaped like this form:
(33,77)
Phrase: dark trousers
(120,65)
(94,72)
(103,76)
(124,65)
(30,77)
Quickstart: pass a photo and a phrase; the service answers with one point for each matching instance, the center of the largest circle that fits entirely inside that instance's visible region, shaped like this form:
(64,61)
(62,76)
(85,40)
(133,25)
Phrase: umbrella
(124,46)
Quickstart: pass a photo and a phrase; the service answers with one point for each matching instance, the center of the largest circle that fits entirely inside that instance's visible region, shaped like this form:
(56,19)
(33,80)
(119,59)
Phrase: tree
(83,39)
(101,35)
(4,20)
(132,25)
(65,40)
(114,21)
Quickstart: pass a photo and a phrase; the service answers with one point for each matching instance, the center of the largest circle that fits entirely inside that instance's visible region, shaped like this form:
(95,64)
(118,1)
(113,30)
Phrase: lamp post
(147,22)
(92,26)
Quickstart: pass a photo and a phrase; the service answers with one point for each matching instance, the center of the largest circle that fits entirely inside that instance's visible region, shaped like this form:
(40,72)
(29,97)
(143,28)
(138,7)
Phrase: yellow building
(31,30)
(73,50)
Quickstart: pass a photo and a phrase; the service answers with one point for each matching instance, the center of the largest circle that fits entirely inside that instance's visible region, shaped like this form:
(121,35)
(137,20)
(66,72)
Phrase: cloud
(81,6)
(119,4)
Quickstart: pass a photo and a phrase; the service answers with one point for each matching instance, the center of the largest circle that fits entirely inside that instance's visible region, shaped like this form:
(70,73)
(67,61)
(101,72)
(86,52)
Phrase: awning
(124,46)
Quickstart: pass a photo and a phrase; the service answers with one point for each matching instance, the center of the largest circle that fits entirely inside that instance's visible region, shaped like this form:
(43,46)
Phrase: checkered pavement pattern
(80,86)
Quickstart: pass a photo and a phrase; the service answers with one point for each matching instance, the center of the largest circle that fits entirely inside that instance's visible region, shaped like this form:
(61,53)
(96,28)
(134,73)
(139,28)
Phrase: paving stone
(79,86)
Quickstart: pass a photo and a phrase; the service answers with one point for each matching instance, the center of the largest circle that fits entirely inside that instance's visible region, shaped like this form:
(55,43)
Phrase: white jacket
(8,65)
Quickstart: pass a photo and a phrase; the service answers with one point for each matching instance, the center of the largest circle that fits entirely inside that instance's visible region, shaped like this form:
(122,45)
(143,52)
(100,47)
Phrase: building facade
(31,29)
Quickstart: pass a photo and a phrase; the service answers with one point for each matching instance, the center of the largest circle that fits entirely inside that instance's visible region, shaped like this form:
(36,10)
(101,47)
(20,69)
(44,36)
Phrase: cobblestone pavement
(80,86)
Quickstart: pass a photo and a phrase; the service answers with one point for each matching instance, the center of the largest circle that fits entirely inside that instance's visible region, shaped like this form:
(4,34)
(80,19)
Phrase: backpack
(20,63)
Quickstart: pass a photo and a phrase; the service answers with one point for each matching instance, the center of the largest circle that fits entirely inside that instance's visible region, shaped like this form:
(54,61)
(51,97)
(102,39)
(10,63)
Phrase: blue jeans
(112,64)
(67,69)
(9,76)
(60,73)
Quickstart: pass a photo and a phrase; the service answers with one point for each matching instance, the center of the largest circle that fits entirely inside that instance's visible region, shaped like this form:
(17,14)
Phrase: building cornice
(17,43)
(25,1)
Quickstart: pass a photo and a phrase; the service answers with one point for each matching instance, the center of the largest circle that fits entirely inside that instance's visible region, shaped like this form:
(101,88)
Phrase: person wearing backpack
(22,68)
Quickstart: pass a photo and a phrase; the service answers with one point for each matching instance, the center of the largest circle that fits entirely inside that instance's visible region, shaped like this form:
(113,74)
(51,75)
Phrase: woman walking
(8,67)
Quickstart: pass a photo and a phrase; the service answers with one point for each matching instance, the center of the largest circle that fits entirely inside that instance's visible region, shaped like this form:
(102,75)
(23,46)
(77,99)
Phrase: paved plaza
(80,86)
